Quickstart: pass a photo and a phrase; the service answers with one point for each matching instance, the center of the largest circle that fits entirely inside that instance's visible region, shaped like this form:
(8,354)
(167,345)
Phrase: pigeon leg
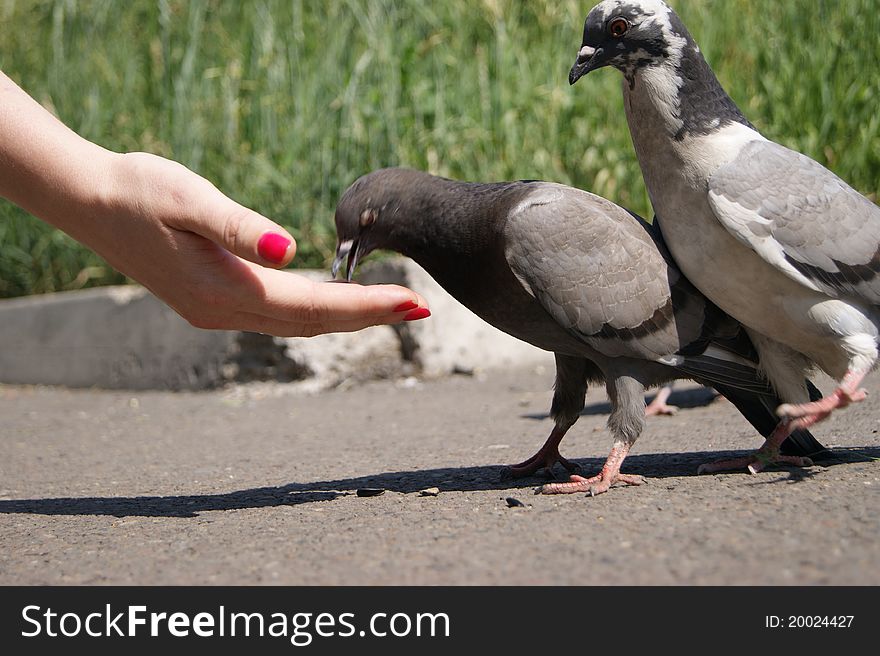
(568,401)
(600,483)
(658,405)
(546,457)
(815,411)
(626,421)
(768,454)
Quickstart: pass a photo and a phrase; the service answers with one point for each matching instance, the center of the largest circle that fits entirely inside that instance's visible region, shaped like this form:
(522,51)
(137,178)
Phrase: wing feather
(801,218)
(598,271)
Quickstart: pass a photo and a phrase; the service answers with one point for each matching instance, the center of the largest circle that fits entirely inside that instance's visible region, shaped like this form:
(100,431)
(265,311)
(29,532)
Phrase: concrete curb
(125,338)
(111,337)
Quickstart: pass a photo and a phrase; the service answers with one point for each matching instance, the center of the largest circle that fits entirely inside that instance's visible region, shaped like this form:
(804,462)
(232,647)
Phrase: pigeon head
(645,39)
(628,34)
(374,213)
(357,233)
(429,219)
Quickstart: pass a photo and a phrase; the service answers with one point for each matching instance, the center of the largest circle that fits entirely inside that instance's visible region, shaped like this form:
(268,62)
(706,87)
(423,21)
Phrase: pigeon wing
(596,270)
(801,218)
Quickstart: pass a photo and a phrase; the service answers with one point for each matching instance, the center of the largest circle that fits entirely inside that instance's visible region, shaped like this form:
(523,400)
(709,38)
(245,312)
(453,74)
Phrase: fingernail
(420,313)
(273,247)
(408,305)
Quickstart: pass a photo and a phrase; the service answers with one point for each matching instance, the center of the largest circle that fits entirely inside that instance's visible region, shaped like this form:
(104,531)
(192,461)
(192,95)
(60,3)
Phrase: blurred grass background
(283,103)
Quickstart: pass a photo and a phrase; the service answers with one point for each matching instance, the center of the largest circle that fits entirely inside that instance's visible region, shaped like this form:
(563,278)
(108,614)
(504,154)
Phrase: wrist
(72,189)
(120,181)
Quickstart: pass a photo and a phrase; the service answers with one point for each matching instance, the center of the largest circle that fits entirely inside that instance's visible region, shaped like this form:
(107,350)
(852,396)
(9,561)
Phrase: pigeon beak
(588,59)
(350,249)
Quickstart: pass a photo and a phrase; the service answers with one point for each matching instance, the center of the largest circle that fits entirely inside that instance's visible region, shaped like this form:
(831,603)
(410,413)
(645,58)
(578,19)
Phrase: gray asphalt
(256,485)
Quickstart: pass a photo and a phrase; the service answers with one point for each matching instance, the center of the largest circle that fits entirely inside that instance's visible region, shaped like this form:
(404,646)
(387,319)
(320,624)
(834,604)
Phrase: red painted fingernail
(408,305)
(273,247)
(420,313)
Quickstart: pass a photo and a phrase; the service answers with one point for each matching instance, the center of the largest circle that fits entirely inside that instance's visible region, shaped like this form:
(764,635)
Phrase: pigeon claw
(544,459)
(754,463)
(661,409)
(593,486)
(815,411)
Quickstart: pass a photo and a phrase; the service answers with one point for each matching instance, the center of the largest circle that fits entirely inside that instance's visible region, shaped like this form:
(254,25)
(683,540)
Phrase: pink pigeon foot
(602,482)
(754,463)
(767,455)
(655,409)
(658,406)
(546,457)
(598,484)
(815,411)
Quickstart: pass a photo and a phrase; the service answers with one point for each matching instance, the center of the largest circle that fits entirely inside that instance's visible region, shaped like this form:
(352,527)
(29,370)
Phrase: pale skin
(170,229)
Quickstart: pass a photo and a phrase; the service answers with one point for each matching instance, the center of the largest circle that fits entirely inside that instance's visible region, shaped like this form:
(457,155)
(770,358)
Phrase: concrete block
(110,337)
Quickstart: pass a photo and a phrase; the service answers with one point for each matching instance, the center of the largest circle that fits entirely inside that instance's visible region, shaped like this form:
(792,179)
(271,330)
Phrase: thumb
(242,231)
(254,237)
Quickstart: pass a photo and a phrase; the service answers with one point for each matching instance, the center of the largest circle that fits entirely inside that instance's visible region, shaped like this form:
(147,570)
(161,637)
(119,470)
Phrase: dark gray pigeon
(571,273)
(772,237)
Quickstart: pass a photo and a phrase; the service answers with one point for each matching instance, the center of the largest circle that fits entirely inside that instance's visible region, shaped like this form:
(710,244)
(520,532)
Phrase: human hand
(213,260)
(208,257)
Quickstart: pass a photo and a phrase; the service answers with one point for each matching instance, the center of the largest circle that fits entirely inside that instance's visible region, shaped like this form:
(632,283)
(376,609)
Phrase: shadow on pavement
(463,479)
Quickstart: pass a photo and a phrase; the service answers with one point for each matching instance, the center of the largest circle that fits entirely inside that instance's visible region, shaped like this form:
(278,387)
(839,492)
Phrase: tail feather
(714,371)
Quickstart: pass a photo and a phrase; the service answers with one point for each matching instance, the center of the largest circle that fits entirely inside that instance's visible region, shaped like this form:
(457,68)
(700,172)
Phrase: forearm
(45,167)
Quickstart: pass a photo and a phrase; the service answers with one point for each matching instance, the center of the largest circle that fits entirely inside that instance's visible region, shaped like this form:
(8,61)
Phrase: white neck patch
(664,82)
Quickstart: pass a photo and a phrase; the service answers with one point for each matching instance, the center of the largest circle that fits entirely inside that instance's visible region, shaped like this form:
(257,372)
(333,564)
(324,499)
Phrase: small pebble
(430,492)
(514,503)
(370,491)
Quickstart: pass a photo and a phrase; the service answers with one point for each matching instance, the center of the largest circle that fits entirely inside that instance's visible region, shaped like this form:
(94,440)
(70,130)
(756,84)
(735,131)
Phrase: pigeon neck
(681,94)
(442,221)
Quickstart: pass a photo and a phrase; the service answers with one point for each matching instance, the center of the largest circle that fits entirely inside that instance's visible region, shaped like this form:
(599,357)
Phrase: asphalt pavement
(257,484)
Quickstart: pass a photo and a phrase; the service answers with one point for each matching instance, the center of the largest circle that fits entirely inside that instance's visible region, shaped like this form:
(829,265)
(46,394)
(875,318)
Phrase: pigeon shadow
(462,479)
(684,399)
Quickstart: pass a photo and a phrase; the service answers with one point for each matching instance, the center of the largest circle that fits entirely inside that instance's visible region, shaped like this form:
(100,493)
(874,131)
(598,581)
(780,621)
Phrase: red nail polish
(273,247)
(420,313)
(408,305)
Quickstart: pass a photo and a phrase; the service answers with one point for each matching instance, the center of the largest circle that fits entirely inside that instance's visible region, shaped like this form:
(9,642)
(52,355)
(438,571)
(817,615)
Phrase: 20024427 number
(808,621)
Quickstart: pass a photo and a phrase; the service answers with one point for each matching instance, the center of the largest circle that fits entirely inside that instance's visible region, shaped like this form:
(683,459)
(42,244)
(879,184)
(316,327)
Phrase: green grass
(283,103)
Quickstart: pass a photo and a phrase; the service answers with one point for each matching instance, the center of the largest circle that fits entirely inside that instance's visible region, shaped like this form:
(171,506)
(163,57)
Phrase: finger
(279,328)
(290,297)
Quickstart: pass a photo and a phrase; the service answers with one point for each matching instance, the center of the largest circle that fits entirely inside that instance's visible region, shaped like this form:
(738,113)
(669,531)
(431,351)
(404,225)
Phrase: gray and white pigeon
(571,273)
(772,237)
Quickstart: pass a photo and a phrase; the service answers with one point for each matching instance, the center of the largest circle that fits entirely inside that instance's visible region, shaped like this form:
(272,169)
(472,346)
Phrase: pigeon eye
(368,218)
(618,27)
